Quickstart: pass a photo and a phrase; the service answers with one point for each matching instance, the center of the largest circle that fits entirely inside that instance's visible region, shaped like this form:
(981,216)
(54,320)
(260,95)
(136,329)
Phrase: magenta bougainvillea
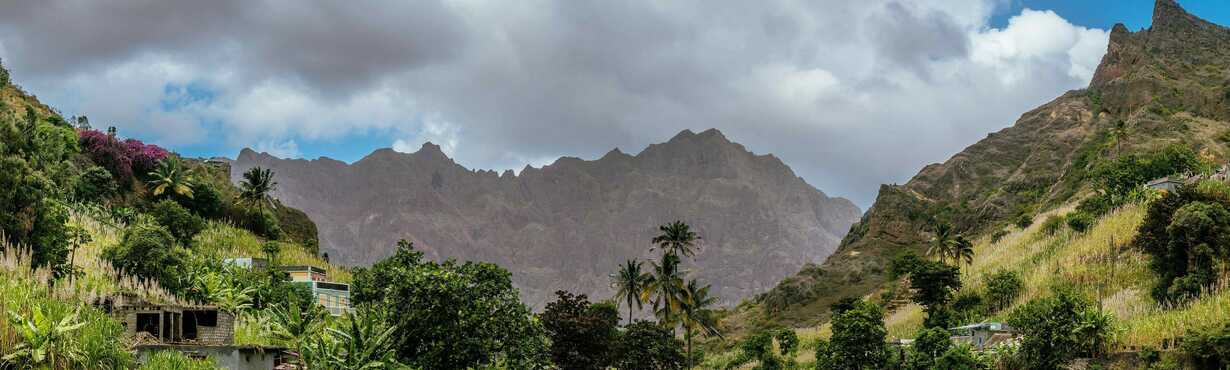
(121,158)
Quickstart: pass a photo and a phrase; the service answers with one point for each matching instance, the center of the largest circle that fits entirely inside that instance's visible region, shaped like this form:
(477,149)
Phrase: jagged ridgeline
(1165,85)
(569,224)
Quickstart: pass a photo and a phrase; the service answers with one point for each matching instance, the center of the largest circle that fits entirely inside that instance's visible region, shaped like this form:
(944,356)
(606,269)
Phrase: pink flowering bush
(121,158)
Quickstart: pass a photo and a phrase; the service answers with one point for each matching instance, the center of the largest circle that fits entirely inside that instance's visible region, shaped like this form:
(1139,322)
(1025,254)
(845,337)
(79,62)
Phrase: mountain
(1159,86)
(569,224)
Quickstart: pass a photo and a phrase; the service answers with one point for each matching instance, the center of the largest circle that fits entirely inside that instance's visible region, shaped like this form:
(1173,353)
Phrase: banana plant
(45,341)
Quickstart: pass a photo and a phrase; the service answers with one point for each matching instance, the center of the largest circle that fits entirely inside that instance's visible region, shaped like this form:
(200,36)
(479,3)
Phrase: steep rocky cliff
(1166,84)
(569,224)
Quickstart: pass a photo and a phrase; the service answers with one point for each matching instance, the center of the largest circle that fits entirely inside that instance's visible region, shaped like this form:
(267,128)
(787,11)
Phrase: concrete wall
(226,357)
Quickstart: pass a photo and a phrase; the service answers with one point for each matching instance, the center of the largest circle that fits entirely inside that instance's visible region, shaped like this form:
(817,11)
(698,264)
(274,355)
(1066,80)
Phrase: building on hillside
(305,273)
(1168,184)
(983,335)
(230,357)
(335,297)
(247,263)
(198,331)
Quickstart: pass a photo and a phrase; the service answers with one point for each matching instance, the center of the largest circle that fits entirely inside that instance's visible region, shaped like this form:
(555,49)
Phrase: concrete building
(335,297)
(228,357)
(249,263)
(167,323)
(983,335)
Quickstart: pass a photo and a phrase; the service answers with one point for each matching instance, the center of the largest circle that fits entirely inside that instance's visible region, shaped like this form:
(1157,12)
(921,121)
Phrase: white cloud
(285,149)
(849,94)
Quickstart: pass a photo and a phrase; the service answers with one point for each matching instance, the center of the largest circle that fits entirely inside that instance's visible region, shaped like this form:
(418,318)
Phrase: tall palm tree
(171,178)
(257,186)
(664,288)
(942,242)
(696,315)
(630,282)
(676,238)
(962,250)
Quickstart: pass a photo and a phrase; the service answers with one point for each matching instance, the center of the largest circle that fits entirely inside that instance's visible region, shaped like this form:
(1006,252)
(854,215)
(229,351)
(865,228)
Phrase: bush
(903,264)
(1052,225)
(1003,287)
(958,357)
(646,345)
(581,333)
(1024,221)
(998,235)
(1080,221)
(857,341)
(122,159)
(205,201)
(1208,349)
(260,222)
(96,184)
(1058,329)
(182,224)
(4,76)
(1096,205)
(928,346)
(1186,233)
(174,360)
(148,251)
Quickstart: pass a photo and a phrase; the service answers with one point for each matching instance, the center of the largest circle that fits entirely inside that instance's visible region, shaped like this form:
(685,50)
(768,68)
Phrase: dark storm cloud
(849,94)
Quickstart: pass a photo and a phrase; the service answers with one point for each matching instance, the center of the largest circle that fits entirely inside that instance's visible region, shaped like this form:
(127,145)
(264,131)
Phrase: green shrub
(173,360)
(4,76)
(958,357)
(1080,221)
(1224,136)
(1208,349)
(205,202)
(1186,234)
(262,223)
(1058,329)
(1003,287)
(148,251)
(646,345)
(903,264)
(998,235)
(96,184)
(928,346)
(857,341)
(182,224)
(1096,205)
(1052,225)
(1024,220)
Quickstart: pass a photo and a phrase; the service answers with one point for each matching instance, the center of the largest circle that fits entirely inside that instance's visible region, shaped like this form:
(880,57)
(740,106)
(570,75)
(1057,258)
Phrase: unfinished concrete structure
(168,323)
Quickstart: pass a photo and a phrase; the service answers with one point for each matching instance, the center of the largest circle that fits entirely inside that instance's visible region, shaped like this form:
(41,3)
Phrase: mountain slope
(1166,84)
(569,224)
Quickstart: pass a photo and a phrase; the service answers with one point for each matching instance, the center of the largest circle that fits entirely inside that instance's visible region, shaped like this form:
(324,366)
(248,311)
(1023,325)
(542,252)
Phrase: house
(170,323)
(335,297)
(247,263)
(983,335)
(198,331)
(1168,184)
(305,273)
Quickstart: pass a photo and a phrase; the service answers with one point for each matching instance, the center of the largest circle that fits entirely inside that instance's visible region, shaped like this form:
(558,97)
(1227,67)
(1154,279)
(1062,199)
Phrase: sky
(850,94)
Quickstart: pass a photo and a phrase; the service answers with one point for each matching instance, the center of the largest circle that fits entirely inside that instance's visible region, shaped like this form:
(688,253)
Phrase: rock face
(1164,85)
(569,224)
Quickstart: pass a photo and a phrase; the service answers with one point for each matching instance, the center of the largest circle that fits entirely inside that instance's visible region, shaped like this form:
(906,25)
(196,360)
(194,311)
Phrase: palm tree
(962,250)
(256,186)
(676,238)
(171,178)
(696,315)
(630,282)
(664,287)
(942,243)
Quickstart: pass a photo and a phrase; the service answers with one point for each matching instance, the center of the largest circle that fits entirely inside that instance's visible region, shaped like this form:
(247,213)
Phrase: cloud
(849,94)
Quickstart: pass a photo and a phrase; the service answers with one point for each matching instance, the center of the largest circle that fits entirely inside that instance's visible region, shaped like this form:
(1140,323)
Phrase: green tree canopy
(582,334)
(646,345)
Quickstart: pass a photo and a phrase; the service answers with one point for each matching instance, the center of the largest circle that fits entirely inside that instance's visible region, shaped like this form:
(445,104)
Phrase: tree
(665,289)
(257,187)
(1187,234)
(933,283)
(1002,288)
(696,315)
(271,249)
(929,345)
(858,339)
(676,238)
(942,242)
(646,345)
(630,283)
(962,250)
(581,333)
(171,178)
(182,224)
(294,326)
(452,315)
(1059,328)
(148,251)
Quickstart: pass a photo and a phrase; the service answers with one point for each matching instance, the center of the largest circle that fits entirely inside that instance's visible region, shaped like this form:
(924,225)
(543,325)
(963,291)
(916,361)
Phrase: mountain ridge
(760,220)
(1168,84)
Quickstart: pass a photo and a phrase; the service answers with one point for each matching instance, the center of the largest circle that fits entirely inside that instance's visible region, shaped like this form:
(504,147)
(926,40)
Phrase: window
(204,317)
(148,323)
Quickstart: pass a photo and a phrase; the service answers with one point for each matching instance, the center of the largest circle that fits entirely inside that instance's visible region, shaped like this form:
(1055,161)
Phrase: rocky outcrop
(1163,85)
(569,224)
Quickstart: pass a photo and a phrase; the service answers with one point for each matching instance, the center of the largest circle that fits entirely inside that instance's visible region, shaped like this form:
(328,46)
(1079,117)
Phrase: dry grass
(221,241)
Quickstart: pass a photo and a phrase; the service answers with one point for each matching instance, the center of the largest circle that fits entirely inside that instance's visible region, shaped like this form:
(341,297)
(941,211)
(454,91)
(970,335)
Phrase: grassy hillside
(1097,263)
